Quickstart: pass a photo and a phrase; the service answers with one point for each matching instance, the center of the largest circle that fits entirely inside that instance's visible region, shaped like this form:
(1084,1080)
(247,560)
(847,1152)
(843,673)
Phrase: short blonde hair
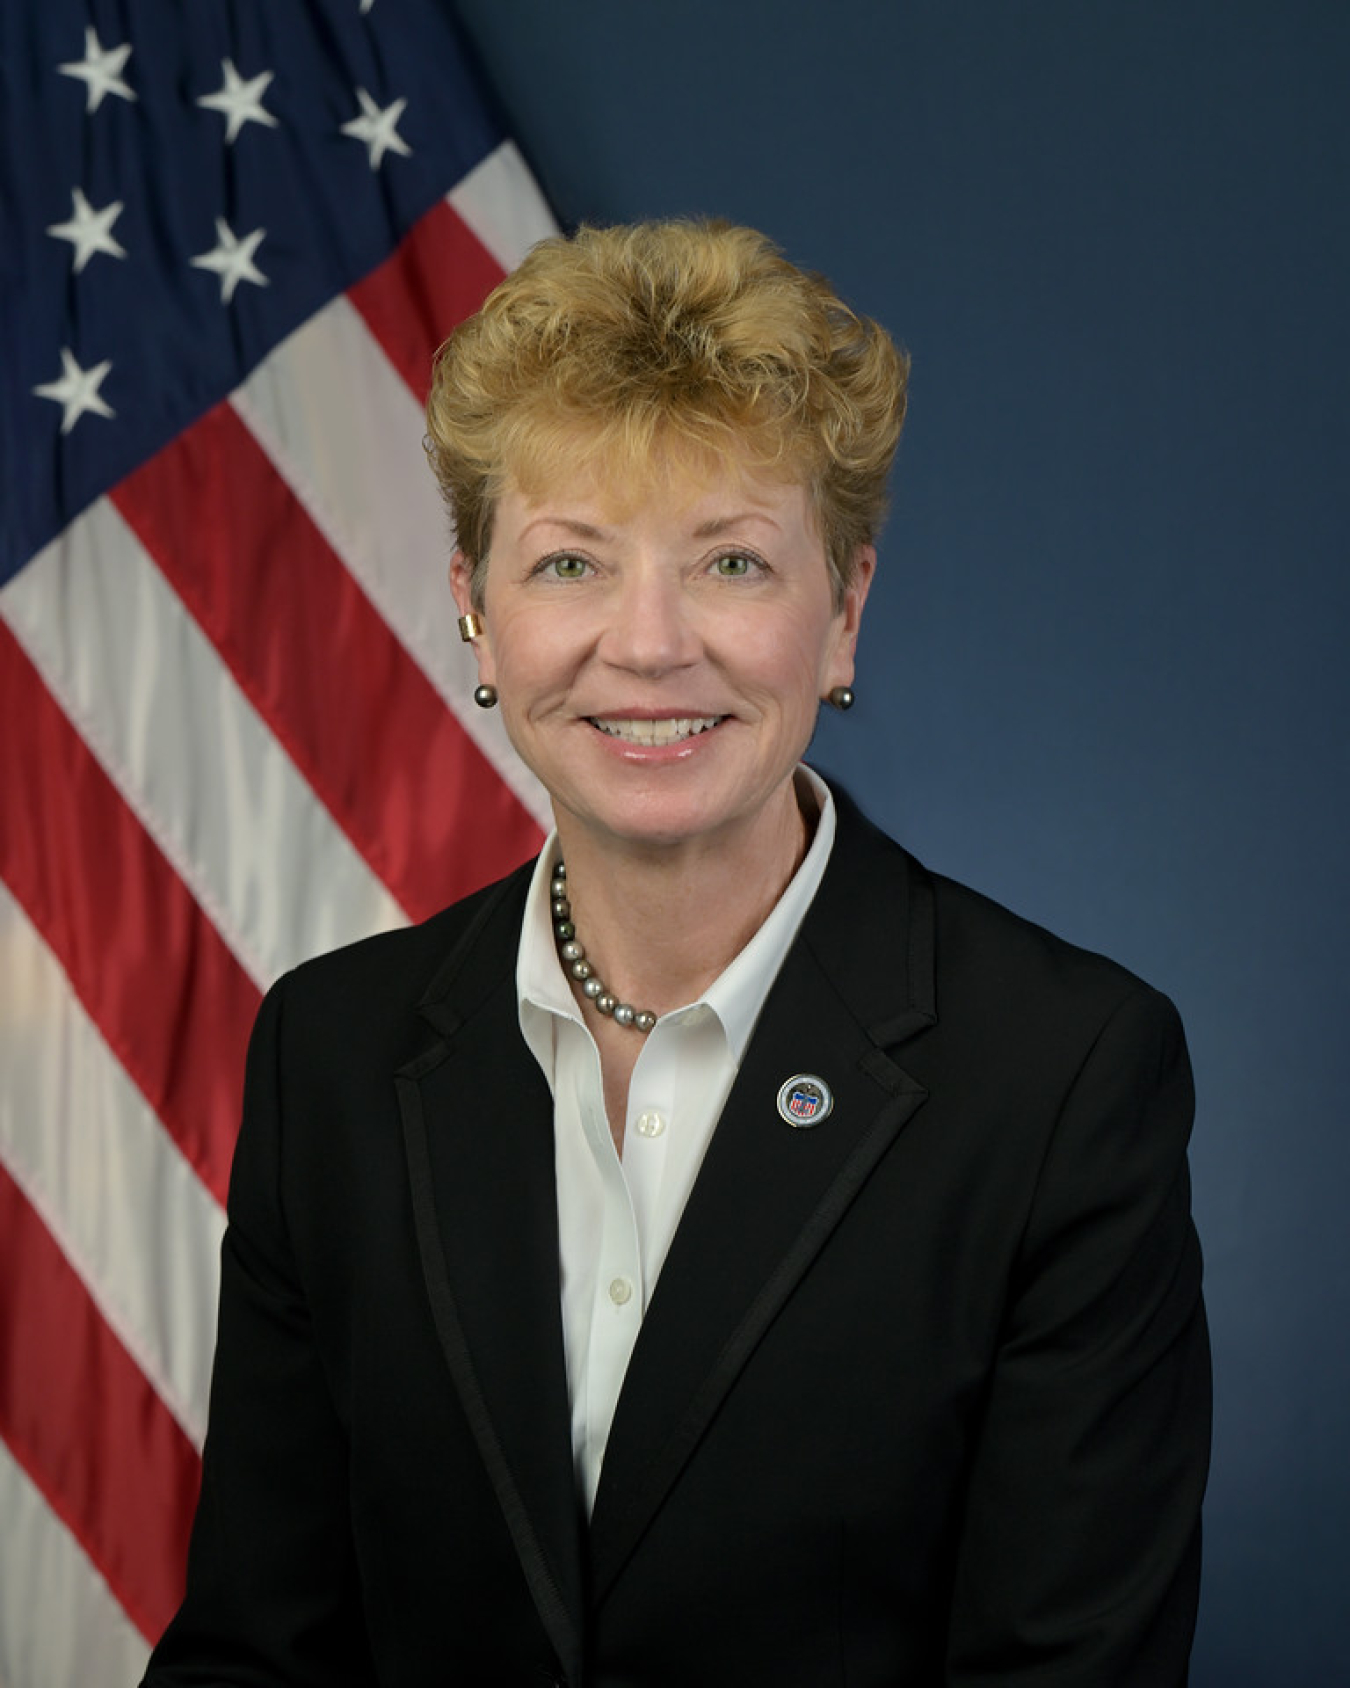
(683,340)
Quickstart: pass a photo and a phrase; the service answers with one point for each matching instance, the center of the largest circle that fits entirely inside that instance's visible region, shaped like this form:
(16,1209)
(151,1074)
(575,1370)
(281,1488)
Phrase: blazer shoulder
(971,916)
(1019,986)
(379,980)
(958,946)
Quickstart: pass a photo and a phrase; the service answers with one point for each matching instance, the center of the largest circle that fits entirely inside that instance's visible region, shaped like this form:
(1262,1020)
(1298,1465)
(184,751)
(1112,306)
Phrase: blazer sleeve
(272,1595)
(1079,1556)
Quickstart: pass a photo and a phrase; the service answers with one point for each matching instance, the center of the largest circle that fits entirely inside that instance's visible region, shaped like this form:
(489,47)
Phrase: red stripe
(354,711)
(82,1421)
(440,274)
(165,991)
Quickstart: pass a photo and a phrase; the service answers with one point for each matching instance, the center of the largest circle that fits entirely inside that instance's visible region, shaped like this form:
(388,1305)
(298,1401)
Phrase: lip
(655,735)
(651,731)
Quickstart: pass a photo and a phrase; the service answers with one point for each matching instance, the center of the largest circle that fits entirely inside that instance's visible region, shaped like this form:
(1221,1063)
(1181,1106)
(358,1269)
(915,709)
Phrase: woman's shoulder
(398,970)
(982,954)
(1015,983)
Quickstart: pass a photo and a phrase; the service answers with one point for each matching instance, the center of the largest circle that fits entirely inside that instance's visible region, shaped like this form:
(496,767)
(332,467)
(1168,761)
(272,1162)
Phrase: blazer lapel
(478,1129)
(857,981)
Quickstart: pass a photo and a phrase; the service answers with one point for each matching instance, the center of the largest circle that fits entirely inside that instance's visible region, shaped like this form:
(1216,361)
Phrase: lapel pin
(805,1100)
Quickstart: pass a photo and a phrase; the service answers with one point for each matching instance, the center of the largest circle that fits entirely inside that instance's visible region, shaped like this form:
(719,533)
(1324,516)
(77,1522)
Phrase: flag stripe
(187,750)
(439,275)
(501,202)
(359,471)
(86,1426)
(160,983)
(320,664)
(81,1142)
(86,1639)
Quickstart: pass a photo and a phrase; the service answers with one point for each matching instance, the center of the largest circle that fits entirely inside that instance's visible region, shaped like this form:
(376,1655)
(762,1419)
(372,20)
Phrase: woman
(724,1253)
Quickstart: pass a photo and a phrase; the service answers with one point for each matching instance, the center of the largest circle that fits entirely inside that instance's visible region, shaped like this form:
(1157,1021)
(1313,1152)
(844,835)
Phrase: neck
(660,923)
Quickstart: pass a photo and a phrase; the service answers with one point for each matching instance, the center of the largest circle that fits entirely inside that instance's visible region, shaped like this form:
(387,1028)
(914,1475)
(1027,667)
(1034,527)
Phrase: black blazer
(921,1397)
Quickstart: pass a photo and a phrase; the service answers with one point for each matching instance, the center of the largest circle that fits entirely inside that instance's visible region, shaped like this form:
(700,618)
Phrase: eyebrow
(720,524)
(711,529)
(583,530)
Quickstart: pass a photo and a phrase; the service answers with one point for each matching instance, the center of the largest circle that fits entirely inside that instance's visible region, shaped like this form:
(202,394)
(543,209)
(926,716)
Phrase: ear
(461,575)
(839,666)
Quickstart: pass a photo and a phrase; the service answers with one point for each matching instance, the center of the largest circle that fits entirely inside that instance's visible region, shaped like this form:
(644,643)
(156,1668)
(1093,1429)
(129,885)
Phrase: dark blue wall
(1105,671)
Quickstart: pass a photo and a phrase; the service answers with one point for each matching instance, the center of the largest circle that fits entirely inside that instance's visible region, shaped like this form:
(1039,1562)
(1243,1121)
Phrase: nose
(650,629)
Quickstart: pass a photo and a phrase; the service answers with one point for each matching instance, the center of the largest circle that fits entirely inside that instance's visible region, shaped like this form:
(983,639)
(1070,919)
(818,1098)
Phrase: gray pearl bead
(573,957)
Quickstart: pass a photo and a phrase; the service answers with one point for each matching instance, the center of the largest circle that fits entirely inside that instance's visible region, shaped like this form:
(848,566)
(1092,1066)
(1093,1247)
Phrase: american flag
(235,721)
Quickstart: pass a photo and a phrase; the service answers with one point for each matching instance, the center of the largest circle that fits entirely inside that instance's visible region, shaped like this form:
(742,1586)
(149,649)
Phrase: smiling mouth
(669,730)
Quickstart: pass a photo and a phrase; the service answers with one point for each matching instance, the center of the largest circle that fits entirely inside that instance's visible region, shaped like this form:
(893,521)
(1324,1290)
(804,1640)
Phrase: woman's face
(659,659)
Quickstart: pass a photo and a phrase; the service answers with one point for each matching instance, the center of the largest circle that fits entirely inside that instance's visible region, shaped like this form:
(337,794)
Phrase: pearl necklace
(573,956)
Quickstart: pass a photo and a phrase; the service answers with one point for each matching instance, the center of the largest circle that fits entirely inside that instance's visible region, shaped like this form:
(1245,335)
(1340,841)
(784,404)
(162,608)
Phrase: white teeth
(668,731)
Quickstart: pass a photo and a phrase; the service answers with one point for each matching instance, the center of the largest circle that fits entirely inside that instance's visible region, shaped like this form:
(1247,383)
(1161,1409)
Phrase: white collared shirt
(616,1218)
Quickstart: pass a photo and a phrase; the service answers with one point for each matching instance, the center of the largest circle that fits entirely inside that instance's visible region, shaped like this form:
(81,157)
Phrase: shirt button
(620,1291)
(650,1124)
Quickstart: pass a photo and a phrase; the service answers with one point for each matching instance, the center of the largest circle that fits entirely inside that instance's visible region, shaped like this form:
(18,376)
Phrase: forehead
(704,495)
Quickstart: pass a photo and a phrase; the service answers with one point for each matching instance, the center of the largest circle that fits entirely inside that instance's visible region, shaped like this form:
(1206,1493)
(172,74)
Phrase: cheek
(532,660)
(797,657)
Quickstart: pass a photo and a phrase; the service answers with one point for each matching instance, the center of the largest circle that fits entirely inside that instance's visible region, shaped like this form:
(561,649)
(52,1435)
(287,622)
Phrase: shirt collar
(738,993)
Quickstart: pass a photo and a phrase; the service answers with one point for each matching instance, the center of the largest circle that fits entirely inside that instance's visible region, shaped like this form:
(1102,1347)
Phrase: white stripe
(60,1626)
(502,204)
(188,751)
(342,428)
(111,1186)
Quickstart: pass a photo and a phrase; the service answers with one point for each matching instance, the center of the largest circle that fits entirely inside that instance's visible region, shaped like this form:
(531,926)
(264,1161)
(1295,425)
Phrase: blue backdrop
(1104,675)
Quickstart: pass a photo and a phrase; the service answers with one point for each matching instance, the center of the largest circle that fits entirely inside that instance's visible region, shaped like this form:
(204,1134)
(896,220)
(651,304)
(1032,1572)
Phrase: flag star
(90,231)
(100,70)
(378,129)
(239,102)
(77,390)
(232,259)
